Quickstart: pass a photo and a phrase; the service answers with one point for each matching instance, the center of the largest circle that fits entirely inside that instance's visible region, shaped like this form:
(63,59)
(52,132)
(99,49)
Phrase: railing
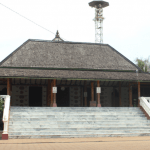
(6,112)
(145,103)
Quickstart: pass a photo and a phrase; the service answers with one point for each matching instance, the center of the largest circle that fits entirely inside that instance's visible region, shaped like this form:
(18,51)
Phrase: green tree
(143,64)
(1,105)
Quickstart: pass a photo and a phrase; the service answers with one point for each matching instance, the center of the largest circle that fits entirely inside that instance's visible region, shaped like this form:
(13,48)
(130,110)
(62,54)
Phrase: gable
(67,55)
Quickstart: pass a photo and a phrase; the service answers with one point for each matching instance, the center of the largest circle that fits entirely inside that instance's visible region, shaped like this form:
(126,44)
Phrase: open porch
(73,93)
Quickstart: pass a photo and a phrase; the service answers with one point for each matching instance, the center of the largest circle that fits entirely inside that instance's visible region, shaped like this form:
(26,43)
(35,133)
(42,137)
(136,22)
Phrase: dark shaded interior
(62,97)
(115,98)
(89,96)
(35,96)
(3,91)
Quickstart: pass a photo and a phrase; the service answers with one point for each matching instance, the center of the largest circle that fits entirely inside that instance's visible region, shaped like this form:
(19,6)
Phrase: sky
(126,24)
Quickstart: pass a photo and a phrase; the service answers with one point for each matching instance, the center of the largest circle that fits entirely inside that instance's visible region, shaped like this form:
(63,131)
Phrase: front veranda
(72,93)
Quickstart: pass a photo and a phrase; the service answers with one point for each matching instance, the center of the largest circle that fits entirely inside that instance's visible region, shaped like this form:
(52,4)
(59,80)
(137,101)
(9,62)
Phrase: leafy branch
(1,105)
(144,64)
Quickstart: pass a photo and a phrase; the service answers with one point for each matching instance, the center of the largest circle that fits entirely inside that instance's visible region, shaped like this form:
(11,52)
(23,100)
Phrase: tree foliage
(1,104)
(143,63)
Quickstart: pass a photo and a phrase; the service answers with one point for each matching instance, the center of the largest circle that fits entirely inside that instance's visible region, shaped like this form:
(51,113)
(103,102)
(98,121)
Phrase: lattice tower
(98,5)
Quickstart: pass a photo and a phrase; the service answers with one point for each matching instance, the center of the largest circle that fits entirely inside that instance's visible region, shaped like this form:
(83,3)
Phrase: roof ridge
(67,42)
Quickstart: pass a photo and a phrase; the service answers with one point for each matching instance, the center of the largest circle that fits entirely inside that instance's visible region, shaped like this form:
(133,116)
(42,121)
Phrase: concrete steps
(46,122)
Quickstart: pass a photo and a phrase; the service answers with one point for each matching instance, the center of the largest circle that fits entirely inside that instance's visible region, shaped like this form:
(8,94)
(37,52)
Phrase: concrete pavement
(120,143)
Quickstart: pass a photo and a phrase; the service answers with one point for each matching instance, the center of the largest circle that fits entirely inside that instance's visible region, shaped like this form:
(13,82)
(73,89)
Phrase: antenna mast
(98,5)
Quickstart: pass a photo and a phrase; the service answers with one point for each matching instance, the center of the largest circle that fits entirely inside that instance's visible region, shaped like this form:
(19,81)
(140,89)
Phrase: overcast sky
(126,24)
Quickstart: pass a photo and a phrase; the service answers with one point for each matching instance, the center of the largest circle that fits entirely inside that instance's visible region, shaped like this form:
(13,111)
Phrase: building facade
(29,74)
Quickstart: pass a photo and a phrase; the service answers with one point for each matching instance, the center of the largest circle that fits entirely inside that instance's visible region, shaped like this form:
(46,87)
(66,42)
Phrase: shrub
(1,105)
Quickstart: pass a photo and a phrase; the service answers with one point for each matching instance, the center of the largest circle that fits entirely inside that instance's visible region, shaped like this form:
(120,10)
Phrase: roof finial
(57,37)
(57,34)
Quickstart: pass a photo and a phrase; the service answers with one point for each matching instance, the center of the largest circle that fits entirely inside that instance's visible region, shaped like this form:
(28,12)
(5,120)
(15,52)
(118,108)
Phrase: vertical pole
(92,102)
(139,93)
(8,87)
(120,93)
(85,90)
(81,95)
(98,95)
(54,102)
(49,93)
(114,100)
(10,92)
(130,95)
(92,91)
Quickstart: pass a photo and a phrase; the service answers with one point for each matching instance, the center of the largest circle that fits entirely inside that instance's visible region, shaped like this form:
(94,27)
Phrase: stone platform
(48,122)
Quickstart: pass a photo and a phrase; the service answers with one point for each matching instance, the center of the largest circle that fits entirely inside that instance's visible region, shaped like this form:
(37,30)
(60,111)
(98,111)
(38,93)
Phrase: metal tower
(98,5)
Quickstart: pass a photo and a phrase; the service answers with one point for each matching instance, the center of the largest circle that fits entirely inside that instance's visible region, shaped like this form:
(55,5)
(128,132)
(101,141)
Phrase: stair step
(79,129)
(75,108)
(48,122)
(78,125)
(77,119)
(77,113)
(76,116)
(78,132)
(77,136)
(75,122)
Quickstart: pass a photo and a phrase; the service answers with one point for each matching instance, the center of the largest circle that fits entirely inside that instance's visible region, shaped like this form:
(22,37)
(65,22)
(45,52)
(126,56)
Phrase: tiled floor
(126,143)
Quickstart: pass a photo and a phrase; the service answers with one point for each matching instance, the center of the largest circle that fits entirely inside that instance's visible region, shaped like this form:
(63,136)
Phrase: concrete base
(92,103)
(4,136)
(54,105)
(98,105)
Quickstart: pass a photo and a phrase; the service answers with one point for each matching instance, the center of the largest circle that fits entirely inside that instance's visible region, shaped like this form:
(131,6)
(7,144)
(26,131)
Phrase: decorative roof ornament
(57,37)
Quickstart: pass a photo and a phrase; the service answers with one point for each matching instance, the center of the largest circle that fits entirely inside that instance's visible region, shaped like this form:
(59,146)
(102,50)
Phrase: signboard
(85,94)
(54,89)
(98,90)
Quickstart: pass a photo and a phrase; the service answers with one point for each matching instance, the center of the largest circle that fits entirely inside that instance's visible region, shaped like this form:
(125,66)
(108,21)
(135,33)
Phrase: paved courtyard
(120,143)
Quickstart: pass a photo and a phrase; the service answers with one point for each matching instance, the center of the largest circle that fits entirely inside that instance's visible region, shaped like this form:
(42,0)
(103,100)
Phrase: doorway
(115,98)
(3,91)
(35,96)
(63,97)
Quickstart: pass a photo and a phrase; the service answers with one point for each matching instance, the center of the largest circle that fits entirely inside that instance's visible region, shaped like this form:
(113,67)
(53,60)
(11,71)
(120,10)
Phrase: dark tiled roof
(48,54)
(70,74)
